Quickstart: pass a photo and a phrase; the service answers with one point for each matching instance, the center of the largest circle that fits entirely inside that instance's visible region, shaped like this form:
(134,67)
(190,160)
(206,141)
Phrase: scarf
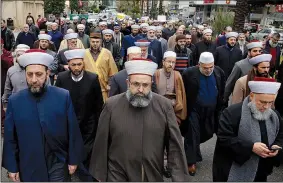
(249,130)
(117,38)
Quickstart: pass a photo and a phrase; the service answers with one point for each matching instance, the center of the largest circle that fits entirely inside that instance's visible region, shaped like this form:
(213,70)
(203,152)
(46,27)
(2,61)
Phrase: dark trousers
(200,129)
(57,171)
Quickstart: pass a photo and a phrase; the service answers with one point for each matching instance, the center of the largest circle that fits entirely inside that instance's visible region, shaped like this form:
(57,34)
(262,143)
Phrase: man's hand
(15,177)
(72,169)
(108,88)
(274,153)
(261,149)
(66,67)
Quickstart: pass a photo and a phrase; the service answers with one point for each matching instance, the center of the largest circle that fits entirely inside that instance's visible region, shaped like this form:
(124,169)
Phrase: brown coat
(239,92)
(180,107)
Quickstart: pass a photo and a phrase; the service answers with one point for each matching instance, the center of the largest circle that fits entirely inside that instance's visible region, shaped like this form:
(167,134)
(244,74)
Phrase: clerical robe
(180,106)
(104,66)
(130,142)
(33,123)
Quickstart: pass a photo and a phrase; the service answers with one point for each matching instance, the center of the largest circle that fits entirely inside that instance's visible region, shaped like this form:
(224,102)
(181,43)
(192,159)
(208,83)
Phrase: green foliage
(74,6)
(54,6)
(221,20)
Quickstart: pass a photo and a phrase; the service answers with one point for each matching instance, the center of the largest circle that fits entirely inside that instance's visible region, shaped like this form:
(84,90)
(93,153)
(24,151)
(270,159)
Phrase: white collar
(77,78)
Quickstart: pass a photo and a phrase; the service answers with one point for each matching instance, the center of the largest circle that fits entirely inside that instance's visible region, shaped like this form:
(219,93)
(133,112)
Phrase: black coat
(191,79)
(226,59)
(62,60)
(87,101)
(115,49)
(279,98)
(229,148)
(203,47)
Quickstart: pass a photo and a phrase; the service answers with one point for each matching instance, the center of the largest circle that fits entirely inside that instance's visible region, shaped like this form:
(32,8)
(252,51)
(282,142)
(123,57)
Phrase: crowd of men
(115,102)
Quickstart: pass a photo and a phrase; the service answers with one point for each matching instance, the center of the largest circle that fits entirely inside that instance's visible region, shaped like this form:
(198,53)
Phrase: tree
(161,7)
(241,12)
(74,5)
(54,6)
(221,20)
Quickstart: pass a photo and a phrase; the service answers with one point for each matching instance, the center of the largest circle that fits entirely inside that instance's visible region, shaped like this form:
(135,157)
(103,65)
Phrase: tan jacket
(172,42)
(180,107)
(239,92)
(64,44)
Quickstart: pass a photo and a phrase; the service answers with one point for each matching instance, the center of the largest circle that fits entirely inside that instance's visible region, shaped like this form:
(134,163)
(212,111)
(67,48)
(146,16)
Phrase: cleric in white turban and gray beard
(250,136)
(134,129)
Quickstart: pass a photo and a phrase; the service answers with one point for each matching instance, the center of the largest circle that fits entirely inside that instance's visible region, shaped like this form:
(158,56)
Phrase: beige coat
(64,45)
(172,42)
(239,91)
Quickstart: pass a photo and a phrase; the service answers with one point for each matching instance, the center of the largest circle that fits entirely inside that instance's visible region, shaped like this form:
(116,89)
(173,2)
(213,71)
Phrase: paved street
(204,171)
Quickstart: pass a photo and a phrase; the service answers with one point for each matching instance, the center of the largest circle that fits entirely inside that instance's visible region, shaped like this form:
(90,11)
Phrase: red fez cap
(142,59)
(35,50)
(264,79)
(142,41)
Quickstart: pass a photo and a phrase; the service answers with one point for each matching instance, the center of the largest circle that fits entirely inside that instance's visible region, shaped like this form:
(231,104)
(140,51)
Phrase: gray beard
(139,101)
(261,116)
(241,43)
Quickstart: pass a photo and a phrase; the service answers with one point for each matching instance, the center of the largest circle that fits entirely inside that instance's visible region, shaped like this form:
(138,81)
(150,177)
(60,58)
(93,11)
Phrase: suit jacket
(118,83)
(245,54)
(191,79)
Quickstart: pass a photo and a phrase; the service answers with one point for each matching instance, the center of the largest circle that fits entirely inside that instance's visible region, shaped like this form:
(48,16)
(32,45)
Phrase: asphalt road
(204,168)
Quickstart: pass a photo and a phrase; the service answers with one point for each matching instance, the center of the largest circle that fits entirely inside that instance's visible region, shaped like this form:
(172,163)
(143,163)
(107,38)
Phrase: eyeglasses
(138,85)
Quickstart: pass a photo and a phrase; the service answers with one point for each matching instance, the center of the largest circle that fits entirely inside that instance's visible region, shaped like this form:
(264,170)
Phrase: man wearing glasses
(134,129)
(204,86)
(273,48)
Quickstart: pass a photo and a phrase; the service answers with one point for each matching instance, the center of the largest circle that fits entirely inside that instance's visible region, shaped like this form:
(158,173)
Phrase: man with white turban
(146,116)
(249,136)
(83,36)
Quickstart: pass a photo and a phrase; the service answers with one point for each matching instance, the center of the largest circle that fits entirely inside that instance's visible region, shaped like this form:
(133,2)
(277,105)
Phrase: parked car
(266,31)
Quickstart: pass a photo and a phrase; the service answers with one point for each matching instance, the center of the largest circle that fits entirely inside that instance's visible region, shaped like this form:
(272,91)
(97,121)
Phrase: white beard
(259,115)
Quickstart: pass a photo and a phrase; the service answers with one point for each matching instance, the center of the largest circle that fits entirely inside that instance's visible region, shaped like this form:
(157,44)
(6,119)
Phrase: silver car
(266,31)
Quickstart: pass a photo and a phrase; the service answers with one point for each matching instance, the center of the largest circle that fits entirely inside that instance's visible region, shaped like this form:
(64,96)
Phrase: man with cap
(48,125)
(83,36)
(118,81)
(261,66)
(143,44)
(170,85)
(64,43)
(159,37)
(102,26)
(227,55)
(100,61)
(44,40)
(241,68)
(129,40)
(249,136)
(110,45)
(199,35)
(83,87)
(26,37)
(118,36)
(143,30)
(15,77)
(222,39)
(184,55)
(154,47)
(51,45)
(56,35)
(6,63)
(206,45)
(71,39)
(124,29)
(204,86)
(242,44)
(124,149)
(75,23)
